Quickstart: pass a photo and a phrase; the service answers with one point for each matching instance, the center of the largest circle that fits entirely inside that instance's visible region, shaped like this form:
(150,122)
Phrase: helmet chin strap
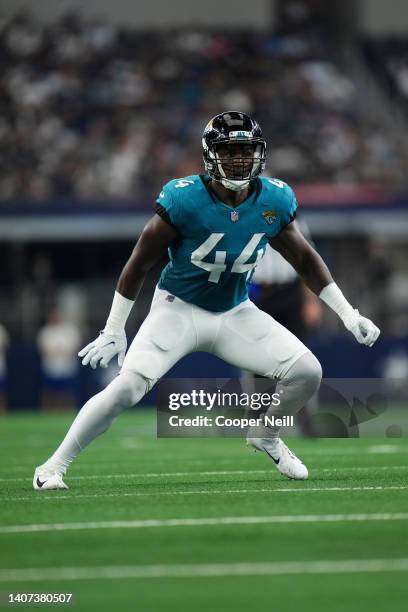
(234,185)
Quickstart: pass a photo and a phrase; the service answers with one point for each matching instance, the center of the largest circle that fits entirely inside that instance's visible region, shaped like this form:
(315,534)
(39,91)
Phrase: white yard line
(212,473)
(309,452)
(153,475)
(39,496)
(208,570)
(207,521)
(384,449)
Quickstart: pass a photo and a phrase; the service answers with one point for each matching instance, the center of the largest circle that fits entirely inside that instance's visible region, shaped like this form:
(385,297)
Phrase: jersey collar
(256,185)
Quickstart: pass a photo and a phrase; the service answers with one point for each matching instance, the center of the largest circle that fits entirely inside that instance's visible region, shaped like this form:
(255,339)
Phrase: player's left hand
(363,329)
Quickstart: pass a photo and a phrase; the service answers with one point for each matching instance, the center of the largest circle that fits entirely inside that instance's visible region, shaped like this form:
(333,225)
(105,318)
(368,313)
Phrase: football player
(216,227)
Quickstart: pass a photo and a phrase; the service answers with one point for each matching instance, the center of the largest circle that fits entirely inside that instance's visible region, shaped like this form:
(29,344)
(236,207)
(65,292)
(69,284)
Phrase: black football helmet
(232,128)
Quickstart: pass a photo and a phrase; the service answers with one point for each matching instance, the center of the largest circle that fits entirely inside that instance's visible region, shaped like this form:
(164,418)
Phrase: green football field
(204,524)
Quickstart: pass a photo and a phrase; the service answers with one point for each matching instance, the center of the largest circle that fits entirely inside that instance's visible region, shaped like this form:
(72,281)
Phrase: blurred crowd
(92,111)
(388,56)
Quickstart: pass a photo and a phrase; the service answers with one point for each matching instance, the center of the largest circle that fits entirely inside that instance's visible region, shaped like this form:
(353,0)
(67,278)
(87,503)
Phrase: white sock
(295,389)
(97,415)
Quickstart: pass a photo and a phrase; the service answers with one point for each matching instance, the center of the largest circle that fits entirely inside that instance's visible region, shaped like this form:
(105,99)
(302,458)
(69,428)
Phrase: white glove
(363,329)
(101,350)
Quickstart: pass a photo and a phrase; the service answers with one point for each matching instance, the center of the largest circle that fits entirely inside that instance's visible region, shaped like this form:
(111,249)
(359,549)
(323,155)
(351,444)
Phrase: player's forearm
(127,289)
(148,250)
(131,279)
(317,277)
(313,271)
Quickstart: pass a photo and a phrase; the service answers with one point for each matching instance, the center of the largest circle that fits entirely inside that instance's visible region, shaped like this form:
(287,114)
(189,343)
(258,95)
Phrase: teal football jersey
(219,246)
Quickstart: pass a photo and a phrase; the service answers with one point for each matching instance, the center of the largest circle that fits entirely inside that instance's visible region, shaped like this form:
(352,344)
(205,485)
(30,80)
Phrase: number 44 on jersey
(219,266)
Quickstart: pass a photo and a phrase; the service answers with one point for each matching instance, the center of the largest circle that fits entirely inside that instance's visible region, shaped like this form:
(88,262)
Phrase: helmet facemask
(236,169)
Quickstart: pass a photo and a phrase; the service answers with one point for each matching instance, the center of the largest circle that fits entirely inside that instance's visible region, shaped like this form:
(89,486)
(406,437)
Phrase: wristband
(332,295)
(119,313)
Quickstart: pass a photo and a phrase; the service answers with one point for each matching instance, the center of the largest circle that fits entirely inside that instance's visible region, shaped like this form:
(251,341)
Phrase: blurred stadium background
(102,102)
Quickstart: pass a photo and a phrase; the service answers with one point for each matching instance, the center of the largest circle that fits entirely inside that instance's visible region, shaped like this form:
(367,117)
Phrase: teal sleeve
(167,206)
(289,208)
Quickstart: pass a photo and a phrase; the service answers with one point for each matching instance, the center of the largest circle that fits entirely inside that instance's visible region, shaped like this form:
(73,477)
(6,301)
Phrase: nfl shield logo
(234,215)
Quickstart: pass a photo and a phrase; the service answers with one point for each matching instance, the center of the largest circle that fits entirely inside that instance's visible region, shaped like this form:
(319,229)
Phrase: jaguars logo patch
(269,216)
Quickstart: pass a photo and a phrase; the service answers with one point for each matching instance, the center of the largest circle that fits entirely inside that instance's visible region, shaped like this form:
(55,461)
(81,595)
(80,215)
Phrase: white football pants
(244,336)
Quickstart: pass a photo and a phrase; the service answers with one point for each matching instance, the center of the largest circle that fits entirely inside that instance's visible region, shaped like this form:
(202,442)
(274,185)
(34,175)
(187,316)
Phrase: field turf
(204,524)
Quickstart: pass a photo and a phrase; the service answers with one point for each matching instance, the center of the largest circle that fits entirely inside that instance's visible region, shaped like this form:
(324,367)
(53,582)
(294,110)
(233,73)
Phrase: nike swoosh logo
(273,458)
(39,483)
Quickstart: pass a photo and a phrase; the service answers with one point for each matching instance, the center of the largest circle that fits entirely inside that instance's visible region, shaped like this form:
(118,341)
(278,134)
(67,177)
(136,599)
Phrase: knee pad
(306,369)
(128,388)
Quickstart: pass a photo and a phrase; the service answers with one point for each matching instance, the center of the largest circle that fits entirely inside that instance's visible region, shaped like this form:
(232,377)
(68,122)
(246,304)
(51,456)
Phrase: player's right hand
(100,351)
